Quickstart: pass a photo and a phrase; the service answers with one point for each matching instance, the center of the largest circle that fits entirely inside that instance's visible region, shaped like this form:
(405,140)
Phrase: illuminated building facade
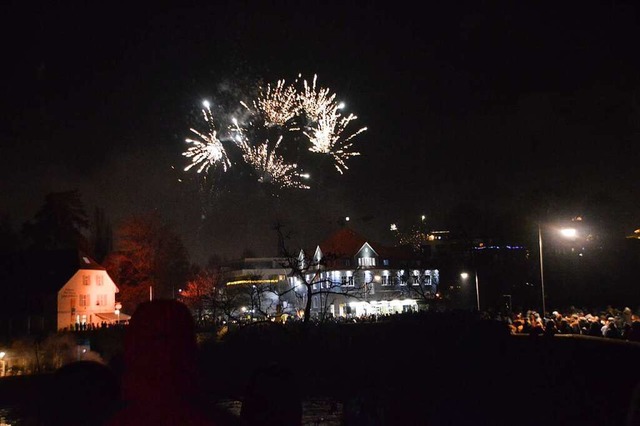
(347,276)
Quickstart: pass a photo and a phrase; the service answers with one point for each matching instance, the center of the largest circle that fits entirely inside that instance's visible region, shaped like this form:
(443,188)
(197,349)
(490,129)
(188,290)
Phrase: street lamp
(117,311)
(464,276)
(565,232)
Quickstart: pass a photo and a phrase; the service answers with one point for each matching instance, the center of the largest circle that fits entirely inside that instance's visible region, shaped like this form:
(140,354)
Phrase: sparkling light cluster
(281,108)
(277,104)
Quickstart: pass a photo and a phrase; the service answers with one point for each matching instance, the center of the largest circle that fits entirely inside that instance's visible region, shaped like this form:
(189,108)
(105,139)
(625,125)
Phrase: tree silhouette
(61,223)
(101,235)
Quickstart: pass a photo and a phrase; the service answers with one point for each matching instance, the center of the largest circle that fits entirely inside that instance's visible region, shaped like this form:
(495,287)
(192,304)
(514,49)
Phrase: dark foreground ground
(440,370)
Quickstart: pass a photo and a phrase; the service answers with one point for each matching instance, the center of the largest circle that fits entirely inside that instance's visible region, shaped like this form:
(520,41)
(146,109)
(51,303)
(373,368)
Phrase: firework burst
(326,138)
(303,108)
(208,151)
(326,125)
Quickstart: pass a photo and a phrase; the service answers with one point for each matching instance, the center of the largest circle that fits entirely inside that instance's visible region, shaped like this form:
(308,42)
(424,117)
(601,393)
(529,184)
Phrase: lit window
(367,261)
(101,300)
(347,281)
(386,280)
(99,280)
(83,300)
(86,279)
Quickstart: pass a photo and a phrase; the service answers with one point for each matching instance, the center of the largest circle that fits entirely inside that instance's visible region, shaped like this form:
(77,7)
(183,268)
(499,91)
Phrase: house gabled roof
(346,242)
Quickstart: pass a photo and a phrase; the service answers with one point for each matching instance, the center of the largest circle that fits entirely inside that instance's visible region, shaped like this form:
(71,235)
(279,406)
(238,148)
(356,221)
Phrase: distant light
(305,175)
(464,275)
(341,105)
(394,227)
(206,104)
(347,218)
(569,232)
(2,354)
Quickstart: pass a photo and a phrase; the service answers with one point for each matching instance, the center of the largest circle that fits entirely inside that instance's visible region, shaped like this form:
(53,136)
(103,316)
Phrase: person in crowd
(634,333)
(610,329)
(160,379)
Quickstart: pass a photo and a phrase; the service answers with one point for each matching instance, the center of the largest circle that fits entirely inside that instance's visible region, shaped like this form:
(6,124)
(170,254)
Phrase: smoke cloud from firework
(279,122)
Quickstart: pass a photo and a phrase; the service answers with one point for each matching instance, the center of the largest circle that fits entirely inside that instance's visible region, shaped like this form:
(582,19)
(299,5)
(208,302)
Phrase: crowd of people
(609,323)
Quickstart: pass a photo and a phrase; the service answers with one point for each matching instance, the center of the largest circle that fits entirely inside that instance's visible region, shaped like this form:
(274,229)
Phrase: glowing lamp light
(347,218)
(394,227)
(206,104)
(569,232)
(464,275)
(341,105)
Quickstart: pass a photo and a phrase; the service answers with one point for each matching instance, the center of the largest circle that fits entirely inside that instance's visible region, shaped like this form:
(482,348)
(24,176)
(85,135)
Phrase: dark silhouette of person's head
(159,379)
(160,352)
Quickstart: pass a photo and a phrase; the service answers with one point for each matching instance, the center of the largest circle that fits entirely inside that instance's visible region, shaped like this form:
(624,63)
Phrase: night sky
(482,115)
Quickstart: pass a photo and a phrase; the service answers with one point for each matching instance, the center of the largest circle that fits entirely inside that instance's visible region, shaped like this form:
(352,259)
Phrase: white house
(88,297)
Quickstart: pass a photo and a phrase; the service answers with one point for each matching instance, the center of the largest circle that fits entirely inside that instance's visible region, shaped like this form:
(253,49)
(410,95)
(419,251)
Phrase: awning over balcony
(111,317)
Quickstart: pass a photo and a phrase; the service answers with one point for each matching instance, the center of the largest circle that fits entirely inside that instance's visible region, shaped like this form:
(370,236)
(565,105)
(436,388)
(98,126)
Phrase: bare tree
(200,293)
(313,284)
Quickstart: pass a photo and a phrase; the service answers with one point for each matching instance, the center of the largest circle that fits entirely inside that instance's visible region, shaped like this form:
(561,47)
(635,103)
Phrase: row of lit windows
(84,300)
(86,279)
(403,280)
(386,280)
